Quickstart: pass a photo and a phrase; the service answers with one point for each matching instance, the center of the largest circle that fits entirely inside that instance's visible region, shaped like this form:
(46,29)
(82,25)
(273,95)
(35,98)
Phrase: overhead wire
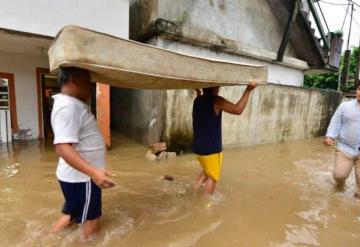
(326,2)
(353,18)
(347,10)
(322,14)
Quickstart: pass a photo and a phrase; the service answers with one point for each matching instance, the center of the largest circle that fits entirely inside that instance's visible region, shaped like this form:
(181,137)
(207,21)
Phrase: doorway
(47,86)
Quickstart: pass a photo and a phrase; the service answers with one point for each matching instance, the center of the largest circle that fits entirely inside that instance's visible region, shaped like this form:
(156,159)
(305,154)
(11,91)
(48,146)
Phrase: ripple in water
(191,239)
(10,170)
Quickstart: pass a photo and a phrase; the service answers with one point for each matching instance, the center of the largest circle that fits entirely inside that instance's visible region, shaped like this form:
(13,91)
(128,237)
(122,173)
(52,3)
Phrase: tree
(331,80)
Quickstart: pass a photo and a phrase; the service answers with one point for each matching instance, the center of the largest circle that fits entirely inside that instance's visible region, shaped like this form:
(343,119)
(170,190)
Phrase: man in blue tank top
(207,142)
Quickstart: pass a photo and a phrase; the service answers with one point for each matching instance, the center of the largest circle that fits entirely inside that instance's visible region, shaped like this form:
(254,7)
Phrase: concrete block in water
(170,155)
(150,156)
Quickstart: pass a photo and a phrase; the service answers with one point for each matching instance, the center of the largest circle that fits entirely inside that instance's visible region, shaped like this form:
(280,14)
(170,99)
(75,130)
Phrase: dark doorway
(49,87)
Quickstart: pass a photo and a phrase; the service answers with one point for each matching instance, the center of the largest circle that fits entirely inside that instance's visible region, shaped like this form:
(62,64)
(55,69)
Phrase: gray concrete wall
(139,114)
(240,30)
(247,21)
(274,114)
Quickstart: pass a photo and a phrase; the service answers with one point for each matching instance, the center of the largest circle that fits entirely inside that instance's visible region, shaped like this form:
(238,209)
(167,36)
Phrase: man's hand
(252,85)
(198,92)
(328,141)
(73,158)
(101,178)
(222,104)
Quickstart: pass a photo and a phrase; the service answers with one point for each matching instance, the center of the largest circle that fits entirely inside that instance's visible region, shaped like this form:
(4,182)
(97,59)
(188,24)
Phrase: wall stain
(222,5)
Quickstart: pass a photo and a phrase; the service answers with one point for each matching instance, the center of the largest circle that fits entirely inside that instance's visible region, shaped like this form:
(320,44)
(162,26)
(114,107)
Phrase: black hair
(66,72)
(208,90)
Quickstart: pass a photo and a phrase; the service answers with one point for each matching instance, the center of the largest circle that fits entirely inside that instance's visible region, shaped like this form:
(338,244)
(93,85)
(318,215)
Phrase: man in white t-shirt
(81,149)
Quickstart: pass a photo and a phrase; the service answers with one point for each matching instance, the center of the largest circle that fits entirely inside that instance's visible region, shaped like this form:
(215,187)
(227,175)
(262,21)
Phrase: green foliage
(338,33)
(330,80)
(324,81)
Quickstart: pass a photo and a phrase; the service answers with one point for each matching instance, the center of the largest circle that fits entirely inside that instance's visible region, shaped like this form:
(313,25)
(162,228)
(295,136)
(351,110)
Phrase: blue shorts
(82,201)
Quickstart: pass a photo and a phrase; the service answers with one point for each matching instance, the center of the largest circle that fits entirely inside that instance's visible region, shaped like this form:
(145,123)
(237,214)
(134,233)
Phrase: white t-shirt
(72,122)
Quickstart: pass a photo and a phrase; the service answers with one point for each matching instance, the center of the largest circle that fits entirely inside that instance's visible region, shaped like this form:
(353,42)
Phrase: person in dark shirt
(207,141)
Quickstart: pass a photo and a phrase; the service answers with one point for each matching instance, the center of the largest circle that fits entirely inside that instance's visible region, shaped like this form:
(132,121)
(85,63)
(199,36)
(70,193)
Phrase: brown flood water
(271,195)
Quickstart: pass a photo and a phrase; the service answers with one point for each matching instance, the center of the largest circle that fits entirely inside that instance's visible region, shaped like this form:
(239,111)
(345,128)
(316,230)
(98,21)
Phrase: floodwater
(271,195)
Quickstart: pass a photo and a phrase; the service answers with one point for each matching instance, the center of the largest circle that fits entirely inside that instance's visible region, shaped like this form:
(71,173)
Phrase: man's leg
(357,177)
(90,228)
(67,210)
(342,168)
(210,185)
(62,222)
(93,211)
(199,181)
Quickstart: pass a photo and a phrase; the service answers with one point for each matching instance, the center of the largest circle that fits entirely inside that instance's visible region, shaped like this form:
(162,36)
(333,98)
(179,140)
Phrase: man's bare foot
(199,181)
(90,229)
(339,186)
(63,222)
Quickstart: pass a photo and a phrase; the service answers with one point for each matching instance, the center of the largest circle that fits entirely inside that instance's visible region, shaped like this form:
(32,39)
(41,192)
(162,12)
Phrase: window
(4,94)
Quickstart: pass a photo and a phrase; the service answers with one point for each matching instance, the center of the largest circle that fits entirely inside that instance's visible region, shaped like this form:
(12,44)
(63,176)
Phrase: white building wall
(47,17)
(277,74)
(24,69)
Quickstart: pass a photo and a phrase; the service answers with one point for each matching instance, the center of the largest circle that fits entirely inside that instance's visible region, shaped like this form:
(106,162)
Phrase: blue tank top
(206,126)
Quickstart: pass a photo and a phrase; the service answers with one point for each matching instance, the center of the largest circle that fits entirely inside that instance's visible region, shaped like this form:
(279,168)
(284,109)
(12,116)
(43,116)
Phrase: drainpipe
(318,24)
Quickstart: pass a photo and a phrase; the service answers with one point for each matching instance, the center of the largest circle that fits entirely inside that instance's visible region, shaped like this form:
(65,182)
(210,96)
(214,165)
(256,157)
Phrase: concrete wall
(139,113)
(277,73)
(241,30)
(274,114)
(47,17)
(24,69)
(247,21)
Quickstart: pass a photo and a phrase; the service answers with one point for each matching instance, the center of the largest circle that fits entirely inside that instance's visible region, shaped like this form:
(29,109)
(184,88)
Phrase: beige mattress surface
(124,63)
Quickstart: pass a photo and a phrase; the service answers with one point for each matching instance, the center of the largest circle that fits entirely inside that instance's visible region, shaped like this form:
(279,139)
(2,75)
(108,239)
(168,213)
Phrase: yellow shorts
(211,164)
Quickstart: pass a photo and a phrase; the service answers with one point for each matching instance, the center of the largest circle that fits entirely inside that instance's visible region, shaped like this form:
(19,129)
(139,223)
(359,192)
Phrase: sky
(335,14)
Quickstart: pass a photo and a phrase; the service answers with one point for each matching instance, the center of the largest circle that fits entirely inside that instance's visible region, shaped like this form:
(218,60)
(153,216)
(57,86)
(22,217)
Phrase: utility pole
(346,65)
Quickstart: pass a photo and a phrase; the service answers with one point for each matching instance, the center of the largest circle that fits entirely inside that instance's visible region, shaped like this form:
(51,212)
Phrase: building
(27,29)
(276,33)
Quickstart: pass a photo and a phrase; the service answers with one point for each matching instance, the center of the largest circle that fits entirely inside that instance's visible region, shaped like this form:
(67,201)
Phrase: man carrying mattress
(207,142)
(81,150)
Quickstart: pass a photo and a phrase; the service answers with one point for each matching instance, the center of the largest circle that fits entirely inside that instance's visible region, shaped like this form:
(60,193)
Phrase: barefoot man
(345,128)
(81,149)
(207,142)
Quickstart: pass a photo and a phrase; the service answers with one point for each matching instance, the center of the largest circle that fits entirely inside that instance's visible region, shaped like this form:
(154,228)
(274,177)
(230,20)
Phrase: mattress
(128,64)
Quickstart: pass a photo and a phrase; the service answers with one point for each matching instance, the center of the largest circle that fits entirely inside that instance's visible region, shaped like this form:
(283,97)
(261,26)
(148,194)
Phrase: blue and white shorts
(82,201)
